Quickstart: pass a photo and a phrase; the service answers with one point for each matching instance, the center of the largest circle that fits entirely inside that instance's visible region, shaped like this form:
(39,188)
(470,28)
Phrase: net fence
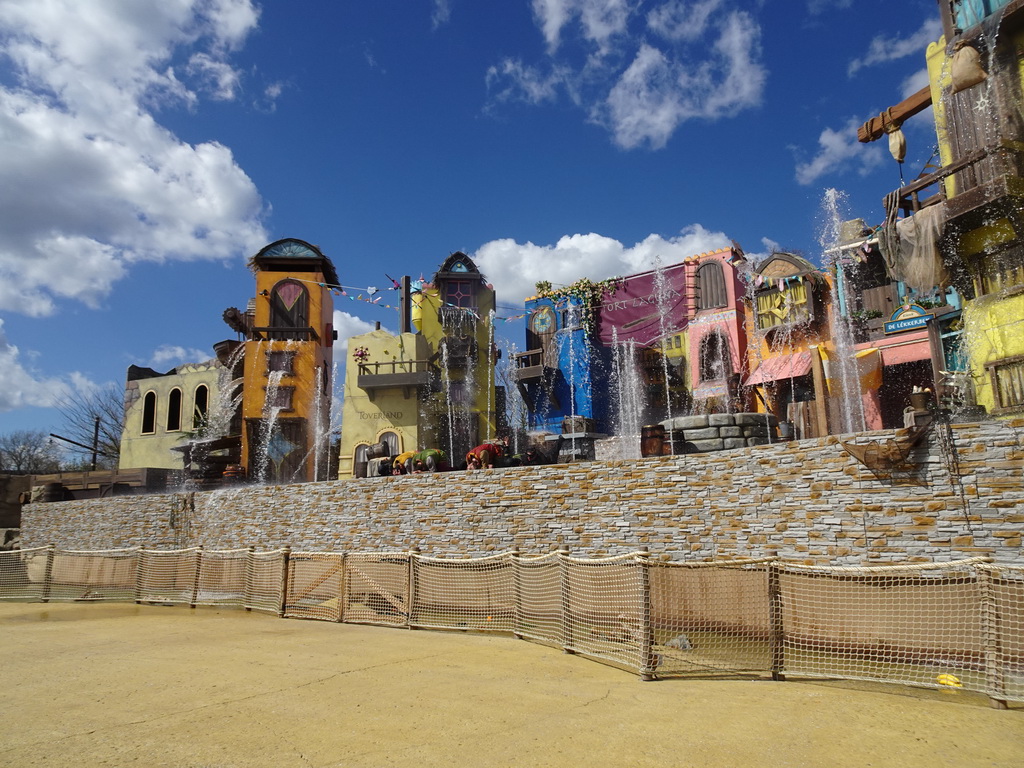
(946,625)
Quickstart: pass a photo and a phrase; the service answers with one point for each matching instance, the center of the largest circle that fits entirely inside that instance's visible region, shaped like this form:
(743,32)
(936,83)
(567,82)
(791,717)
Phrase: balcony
(987,184)
(529,365)
(405,374)
(284,334)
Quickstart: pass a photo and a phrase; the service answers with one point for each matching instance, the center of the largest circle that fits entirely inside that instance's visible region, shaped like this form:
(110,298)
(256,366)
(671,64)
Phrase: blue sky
(149,147)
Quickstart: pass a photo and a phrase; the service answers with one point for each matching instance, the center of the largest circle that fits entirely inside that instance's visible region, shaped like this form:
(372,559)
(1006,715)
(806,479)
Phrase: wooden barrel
(377,451)
(233,473)
(652,440)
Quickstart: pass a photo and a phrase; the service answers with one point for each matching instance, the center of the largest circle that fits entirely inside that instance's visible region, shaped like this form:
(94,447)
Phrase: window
(149,413)
(202,405)
(715,364)
(392,441)
(460,293)
(711,286)
(281,361)
(1008,383)
(789,306)
(174,410)
(280,398)
(289,305)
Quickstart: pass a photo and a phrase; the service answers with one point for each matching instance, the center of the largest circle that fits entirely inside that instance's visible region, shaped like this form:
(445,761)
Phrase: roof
(299,251)
(781,367)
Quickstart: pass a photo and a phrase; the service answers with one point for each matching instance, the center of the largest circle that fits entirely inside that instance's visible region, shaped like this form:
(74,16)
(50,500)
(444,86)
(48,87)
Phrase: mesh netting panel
(916,625)
(1005,636)
(264,581)
(315,585)
(100,575)
(538,588)
(22,573)
(710,617)
(376,586)
(222,577)
(167,576)
(463,594)
(603,609)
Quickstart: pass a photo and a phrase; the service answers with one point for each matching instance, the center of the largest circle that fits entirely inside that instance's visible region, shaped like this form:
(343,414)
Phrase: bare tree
(94,419)
(28,452)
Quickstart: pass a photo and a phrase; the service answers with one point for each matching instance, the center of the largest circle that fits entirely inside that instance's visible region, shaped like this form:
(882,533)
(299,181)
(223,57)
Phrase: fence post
(517,594)
(776,630)
(648,658)
(195,577)
(139,563)
(286,553)
(566,623)
(48,574)
(250,574)
(410,589)
(994,682)
(343,591)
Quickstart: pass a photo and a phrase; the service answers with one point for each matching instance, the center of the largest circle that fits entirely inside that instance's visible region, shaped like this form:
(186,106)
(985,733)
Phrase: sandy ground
(117,685)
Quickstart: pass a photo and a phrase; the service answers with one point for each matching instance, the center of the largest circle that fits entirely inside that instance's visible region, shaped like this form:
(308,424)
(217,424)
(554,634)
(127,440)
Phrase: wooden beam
(874,128)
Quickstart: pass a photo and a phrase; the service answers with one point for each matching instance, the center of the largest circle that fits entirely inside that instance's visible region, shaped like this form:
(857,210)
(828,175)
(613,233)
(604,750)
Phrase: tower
(288,357)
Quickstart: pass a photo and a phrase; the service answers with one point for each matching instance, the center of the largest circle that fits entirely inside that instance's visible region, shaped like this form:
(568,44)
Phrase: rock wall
(808,501)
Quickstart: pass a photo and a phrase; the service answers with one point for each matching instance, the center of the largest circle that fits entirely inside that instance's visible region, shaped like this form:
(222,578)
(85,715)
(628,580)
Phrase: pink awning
(906,353)
(781,367)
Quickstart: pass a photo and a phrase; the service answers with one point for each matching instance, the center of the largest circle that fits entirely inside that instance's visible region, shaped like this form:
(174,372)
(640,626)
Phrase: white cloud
(442,13)
(92,181)
(171,356)
(600,21)
(348,326)
(838,152)
(703,62)
(682,20)
(883,48)
(19,385)
(914,83)
(512,267)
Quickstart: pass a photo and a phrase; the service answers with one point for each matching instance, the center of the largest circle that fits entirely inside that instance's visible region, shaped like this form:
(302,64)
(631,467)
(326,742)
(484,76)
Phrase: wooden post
(776,630)
(48,574)
(343,592)
(285,565)
(517,594)
(140,558)
(410,596)
(196,576)
(994,683)
(820,393)
(568,643)
(648,658)
(250,574)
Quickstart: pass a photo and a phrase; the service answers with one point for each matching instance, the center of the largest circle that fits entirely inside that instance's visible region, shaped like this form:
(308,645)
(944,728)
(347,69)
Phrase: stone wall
(807,501)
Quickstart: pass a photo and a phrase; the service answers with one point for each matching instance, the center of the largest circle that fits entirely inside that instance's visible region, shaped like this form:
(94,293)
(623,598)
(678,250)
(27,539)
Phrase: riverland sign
(908,317)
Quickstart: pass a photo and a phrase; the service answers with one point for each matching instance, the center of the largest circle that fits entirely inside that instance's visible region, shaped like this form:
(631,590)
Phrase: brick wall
(807,501)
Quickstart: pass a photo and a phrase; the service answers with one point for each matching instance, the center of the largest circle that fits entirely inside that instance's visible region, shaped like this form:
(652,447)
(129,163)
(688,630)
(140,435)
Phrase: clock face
(543,320)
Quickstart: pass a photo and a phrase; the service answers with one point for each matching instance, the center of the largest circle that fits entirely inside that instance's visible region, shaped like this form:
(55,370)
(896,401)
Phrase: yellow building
(432,384)
(287,363)
(973,206)
(163,410)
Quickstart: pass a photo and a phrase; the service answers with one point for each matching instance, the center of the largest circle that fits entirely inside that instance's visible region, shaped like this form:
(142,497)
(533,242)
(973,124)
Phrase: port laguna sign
(908,317)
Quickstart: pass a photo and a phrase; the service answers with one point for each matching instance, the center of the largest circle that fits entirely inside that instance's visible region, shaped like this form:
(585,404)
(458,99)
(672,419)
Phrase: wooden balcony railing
(285,334)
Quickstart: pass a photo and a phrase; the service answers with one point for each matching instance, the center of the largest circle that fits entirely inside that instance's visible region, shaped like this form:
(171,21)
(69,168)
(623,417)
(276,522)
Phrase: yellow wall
(310,400)
(993,330)
(363,419)
(154,450)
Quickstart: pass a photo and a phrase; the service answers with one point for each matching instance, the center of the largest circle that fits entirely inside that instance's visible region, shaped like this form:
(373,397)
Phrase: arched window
(715,363)
(202,405)
(392,441)
(174,410)
(149,413)
(289,305)
(711,286)
(360,460)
